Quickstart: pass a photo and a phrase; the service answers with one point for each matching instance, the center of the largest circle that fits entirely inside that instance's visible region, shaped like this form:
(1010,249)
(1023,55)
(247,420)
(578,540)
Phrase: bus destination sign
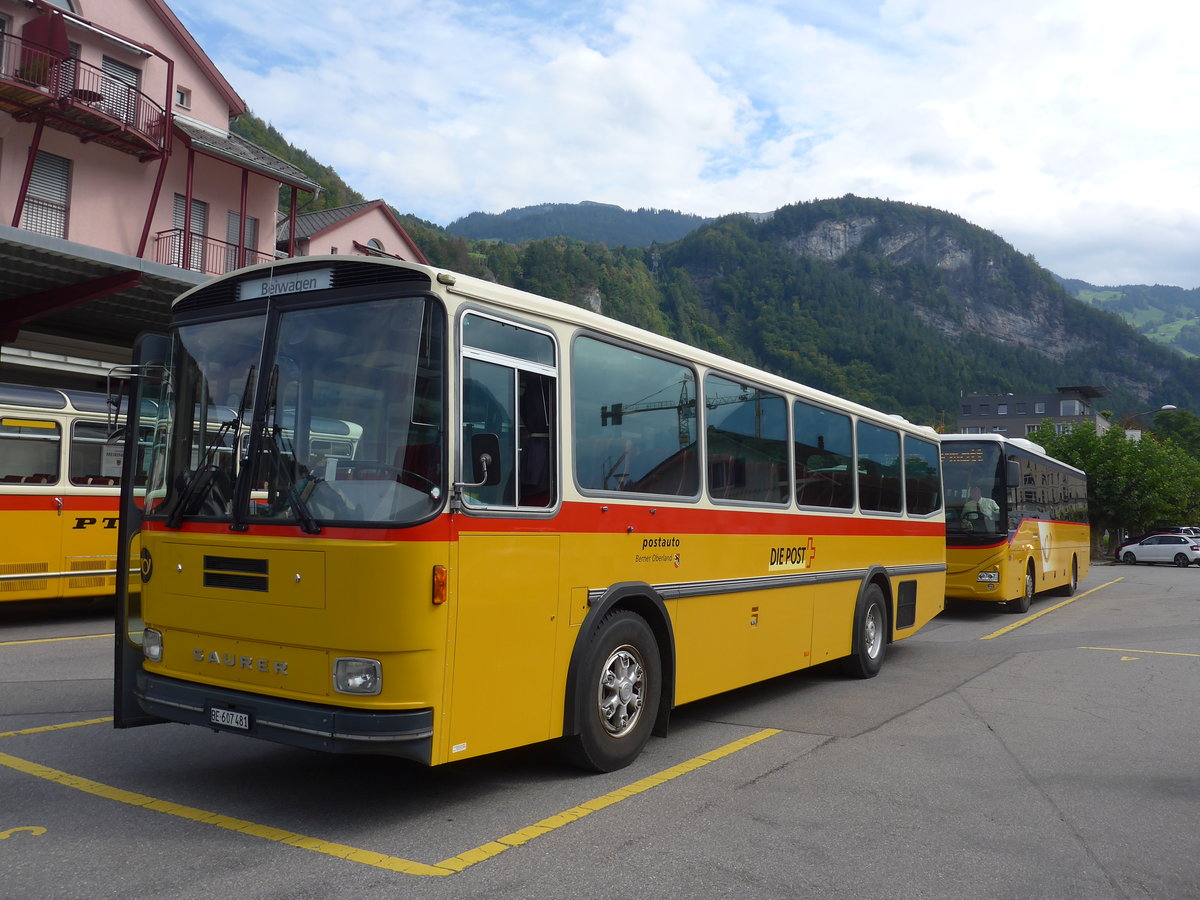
(294,283)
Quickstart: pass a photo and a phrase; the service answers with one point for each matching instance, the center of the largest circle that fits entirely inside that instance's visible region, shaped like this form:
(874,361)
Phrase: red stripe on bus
(594,518)
(71,502)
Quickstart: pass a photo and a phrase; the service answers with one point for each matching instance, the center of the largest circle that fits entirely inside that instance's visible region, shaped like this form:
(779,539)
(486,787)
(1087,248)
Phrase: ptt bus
(59,480)
(1016,521)
(554,526)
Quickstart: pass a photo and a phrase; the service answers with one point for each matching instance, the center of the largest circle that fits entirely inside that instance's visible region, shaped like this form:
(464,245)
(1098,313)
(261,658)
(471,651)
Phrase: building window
(1030,429)
(120,89)
(248,254)
(999,429)
(1070,408)
(1020,410)
(375,244)
(183,98)
(972,429)
(198,228)
(333,251)
(1039,408)
(1002,409)
(985,409)
(966,409)
(46,205)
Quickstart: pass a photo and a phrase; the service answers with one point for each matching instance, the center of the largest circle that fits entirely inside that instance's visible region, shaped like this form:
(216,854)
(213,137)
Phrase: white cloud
(1067,126)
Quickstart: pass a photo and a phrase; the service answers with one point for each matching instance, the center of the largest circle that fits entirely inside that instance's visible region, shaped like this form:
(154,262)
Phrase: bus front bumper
(406,733)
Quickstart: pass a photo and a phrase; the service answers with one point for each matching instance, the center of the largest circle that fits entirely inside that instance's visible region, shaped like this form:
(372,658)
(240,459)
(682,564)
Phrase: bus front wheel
(1021,604)
(870,635)
(621,685)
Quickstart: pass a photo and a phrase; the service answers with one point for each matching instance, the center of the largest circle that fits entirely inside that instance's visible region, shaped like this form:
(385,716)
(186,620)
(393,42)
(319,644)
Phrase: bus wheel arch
(1068,589)
(1021,603)
(872,629)
(627,630)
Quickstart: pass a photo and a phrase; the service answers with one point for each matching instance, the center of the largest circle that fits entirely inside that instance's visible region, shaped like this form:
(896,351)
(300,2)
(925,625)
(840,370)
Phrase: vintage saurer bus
(1016,521)
(551,525)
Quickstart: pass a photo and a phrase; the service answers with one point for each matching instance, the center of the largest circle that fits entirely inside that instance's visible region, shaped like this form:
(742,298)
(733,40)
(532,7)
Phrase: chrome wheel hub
(621,689)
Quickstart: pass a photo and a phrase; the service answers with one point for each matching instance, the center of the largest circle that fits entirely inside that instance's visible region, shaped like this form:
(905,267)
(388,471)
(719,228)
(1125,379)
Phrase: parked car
(1181,549)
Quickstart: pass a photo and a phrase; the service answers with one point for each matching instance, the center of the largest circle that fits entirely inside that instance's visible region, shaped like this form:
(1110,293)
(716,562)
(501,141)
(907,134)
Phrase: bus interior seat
(534,480)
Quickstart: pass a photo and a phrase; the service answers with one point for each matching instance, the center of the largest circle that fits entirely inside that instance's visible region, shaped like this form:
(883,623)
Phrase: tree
(1132,485)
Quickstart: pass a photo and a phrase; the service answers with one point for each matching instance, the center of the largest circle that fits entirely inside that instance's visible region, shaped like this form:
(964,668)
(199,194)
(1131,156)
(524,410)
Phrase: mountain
(905,307)
(1169,315)
(597,223)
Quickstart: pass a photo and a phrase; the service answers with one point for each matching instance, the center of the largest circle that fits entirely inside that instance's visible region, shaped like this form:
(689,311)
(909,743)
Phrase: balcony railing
(45,217)
(78,97)
(204,254)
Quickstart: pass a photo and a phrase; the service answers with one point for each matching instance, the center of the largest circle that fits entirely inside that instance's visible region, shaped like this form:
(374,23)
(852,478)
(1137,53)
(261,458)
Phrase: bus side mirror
(1014,473)
(485,460)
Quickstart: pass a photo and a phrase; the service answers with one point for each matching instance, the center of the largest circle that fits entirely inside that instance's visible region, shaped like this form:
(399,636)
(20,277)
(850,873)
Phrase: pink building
(121,184)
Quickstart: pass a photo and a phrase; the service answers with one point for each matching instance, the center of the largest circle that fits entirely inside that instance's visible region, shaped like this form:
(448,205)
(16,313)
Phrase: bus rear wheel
(620,686)
(1021,604)
(1068,589)
(870,635)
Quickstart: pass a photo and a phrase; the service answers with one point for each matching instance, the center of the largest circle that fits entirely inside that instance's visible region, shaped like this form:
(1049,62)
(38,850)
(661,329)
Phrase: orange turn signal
(439,585)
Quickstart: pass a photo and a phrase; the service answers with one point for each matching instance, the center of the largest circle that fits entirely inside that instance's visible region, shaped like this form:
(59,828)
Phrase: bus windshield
(340,419)
(974,482)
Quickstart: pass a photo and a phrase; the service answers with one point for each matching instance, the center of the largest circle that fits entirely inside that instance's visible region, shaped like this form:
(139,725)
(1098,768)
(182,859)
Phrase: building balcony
(203,254)
(80,99)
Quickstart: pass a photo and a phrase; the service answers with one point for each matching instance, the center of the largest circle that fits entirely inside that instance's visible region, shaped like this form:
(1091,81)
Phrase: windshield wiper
(202,479)
(284,473)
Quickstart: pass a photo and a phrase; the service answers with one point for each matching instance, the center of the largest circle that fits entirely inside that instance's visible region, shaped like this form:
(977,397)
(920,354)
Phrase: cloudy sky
(1070,128)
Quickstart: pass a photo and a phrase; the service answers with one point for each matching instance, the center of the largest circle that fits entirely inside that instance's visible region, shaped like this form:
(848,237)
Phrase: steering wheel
(404,476)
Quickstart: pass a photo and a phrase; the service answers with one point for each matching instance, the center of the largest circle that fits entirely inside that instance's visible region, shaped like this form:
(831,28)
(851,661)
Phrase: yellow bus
(59,477)
(1016,521)
(553,525)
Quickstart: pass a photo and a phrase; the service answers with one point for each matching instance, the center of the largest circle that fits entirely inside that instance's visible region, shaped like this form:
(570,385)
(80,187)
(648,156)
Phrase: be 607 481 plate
(229,718)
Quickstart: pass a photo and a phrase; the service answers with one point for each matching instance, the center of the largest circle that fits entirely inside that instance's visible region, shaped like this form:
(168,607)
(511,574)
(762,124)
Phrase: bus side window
(29,451)
(536,429)
(487,409)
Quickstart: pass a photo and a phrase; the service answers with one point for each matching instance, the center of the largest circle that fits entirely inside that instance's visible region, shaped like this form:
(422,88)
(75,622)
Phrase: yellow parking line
(60,727)
(1144,652)
(78,637)
(366,857)
(1049,609)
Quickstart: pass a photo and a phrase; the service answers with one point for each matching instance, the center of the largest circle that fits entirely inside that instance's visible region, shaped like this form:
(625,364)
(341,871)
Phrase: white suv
(1180,549)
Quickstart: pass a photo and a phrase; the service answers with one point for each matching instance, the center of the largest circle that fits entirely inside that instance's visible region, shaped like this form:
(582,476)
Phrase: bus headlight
(352,675)
(152,645)
(988,577)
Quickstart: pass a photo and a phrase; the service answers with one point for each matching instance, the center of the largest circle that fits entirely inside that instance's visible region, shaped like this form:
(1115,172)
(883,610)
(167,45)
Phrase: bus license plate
(228,718)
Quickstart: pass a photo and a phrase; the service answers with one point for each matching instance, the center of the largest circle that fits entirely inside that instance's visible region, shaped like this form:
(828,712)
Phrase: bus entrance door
(147,392)
(504,643)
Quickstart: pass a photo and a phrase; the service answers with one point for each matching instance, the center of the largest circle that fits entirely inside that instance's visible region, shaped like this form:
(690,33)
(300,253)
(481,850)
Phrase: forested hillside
(597,223)
(899,306)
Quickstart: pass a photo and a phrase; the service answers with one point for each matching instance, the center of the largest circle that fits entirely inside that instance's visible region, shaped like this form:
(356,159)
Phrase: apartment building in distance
(122,185)
(1016,415)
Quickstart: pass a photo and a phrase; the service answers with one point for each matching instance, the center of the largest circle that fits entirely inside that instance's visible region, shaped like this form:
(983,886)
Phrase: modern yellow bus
(552,525)
(59,477)
(1016,521)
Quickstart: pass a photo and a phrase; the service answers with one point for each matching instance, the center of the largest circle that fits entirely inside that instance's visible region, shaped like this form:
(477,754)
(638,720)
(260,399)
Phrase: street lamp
(1135,434)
